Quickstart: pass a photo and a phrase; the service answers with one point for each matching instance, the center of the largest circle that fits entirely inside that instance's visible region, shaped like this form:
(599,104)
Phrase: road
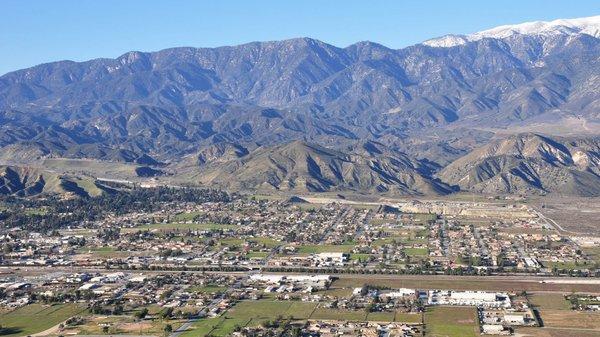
(553,223)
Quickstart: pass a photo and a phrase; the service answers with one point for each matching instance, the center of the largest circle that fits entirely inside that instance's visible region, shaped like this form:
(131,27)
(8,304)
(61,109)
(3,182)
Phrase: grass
(568,265)
(550,301)
(203,327)
(451,322)
(104,252)
(407,318)
(171,226)
(301,310)
(404,237)
(103,249)
(338,292)
(423,217)
(36,318)
(228,325)
(250,313)
(253,313)
(381,316)
(261,310)
(268,242)
(231,242)
(338,314)
(416,251)
(88,185)
(186,216)
(315,249)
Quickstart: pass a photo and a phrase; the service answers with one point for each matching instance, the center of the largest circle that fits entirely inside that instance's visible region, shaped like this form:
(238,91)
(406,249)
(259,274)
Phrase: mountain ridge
(431,104)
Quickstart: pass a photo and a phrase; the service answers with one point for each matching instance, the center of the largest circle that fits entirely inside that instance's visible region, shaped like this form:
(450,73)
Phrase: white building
(471,298)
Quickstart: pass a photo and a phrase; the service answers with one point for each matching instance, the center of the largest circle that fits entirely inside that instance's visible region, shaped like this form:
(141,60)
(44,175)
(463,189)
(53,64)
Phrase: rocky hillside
(530,163)
(248,116)
(168,103)
(302,167)
(28,181)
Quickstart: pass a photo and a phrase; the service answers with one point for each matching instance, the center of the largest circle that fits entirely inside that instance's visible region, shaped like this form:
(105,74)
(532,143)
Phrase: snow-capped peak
(589,25)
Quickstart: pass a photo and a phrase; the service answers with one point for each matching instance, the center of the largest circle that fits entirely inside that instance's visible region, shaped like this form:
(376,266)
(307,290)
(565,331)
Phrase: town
(203,263)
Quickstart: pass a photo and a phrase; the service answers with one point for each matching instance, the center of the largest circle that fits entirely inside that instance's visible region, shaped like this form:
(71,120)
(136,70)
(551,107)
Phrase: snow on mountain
(589,26)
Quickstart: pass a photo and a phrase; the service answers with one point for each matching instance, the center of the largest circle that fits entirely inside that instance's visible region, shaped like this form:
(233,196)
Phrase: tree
(141,314)
(168,328)
(167,313)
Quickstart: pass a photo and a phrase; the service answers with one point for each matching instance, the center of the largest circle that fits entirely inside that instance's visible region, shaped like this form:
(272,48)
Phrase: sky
(40,31)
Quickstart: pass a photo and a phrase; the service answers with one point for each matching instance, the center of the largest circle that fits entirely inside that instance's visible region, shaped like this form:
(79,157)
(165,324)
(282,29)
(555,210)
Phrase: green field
(423,217)
(36,318)
(315,249)
(171,226)
(105,252)
(250,313)
(185,216)
(451,322)
(550,301)
(338,314)
(253,313)
(416,251)
(407,318)
(381,316)
(266,241)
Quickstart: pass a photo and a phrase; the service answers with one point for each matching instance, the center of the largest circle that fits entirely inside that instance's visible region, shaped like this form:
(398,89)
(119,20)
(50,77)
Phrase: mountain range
(514,109)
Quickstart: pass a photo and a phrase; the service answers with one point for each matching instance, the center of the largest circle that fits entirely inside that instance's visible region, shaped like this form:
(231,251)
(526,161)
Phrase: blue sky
(33,32)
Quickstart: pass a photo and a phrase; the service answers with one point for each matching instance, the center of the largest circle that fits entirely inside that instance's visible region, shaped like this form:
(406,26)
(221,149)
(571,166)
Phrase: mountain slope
(27,181)
(303,167)
(530,163)
(167,104)
(233,111)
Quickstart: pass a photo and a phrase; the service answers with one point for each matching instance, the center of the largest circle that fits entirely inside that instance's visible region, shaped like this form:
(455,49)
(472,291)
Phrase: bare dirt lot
(576,215)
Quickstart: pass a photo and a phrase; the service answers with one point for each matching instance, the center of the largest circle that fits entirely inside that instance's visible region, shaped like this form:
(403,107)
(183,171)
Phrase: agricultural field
(550,301)
(570,319)
(36,318)
(338,314)
(416,252)
(451,322)
(177,226)
(250,313)
(105,252)
(556,312)
(315,249)
(253,313)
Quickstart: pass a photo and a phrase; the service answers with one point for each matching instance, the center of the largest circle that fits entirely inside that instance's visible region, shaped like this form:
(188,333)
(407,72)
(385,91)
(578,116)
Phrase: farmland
(35,318)
(451,322)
